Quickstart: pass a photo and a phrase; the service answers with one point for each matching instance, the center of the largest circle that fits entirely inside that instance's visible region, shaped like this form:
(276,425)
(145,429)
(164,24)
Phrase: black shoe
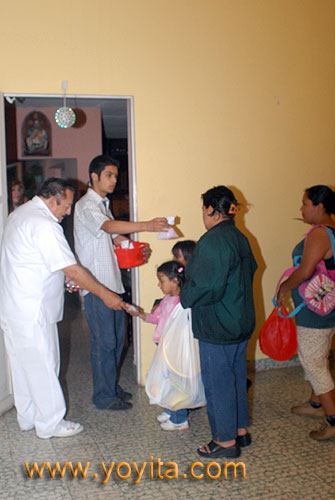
(123,394)
(244,440)
(249,384)
(119,404)
(215,451)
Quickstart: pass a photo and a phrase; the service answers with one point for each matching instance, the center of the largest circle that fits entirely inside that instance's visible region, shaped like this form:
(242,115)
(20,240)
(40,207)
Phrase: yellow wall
(236,92)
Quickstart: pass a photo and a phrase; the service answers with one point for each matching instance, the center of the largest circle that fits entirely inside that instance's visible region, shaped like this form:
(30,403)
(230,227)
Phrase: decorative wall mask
(36,135)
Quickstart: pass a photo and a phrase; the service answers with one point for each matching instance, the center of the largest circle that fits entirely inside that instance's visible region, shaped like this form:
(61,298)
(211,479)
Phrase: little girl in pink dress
(170,280)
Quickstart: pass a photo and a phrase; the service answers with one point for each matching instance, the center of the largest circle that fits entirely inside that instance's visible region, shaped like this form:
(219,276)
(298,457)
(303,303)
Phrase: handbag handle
(288,272)
(291,314)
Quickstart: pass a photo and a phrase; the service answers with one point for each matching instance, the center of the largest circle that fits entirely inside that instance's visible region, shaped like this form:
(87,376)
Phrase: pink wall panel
(82,143)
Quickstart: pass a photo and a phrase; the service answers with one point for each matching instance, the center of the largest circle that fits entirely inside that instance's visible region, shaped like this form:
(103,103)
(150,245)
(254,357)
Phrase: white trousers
(33,352)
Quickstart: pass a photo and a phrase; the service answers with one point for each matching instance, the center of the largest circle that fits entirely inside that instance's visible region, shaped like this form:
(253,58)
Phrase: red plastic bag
(278,336)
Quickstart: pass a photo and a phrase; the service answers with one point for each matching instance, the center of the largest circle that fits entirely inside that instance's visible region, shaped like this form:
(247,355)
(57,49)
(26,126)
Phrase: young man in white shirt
(95,232)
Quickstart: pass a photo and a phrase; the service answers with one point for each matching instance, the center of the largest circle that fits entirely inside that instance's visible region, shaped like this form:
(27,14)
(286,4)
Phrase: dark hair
(220,198)
(54,187)
(322,194)
(173,269)
(99,163)
(186,247)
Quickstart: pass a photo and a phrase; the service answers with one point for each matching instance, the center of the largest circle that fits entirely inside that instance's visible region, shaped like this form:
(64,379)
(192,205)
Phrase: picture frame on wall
(36,135)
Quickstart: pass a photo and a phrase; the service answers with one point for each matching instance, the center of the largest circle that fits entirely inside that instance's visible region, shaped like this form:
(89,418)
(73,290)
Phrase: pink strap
(312,229)
(288,272)
(291,270)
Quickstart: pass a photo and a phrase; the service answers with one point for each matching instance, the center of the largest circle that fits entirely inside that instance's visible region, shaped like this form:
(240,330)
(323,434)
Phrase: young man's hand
(158,224)
(146,252)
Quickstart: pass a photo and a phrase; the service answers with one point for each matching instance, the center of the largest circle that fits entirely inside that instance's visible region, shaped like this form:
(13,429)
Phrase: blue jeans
(177,417)
(107,340)
(224,375)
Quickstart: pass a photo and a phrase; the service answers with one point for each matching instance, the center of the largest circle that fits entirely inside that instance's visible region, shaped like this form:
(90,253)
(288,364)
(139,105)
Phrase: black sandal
(215,450)
(244,440)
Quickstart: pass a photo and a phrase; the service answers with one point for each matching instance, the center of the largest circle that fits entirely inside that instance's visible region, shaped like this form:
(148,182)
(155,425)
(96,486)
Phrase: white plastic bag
(169,234)
(174,378)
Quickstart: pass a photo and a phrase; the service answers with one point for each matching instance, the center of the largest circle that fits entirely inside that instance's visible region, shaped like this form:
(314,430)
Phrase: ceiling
(113,109)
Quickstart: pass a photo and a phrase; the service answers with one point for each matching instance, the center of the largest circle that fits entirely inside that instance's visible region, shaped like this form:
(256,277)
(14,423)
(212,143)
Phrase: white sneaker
(163,417)
(65,428)
(170,426)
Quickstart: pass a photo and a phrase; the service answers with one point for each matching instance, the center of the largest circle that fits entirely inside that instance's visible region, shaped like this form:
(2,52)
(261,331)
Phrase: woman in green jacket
(219,291)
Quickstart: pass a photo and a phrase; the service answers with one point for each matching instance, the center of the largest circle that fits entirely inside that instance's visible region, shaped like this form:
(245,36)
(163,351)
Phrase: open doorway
(36,148)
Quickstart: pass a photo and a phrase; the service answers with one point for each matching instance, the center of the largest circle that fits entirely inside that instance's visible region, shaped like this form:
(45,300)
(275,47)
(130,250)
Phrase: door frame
(6,390)
(132,188)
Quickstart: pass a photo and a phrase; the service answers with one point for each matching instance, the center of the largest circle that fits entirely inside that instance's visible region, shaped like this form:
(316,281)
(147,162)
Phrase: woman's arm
(315,249)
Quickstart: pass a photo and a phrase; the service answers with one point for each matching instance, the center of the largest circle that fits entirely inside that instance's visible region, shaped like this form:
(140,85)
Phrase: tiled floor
(282,463)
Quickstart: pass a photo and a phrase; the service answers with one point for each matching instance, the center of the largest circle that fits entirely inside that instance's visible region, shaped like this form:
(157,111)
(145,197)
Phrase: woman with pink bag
(315,331)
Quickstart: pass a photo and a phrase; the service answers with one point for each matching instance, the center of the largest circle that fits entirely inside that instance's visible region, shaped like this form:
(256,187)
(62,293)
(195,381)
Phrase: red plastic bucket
(130,257)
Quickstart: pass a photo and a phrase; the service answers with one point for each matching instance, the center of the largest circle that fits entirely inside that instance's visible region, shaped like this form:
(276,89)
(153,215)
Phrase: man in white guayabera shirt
(35,258)
(95,232)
